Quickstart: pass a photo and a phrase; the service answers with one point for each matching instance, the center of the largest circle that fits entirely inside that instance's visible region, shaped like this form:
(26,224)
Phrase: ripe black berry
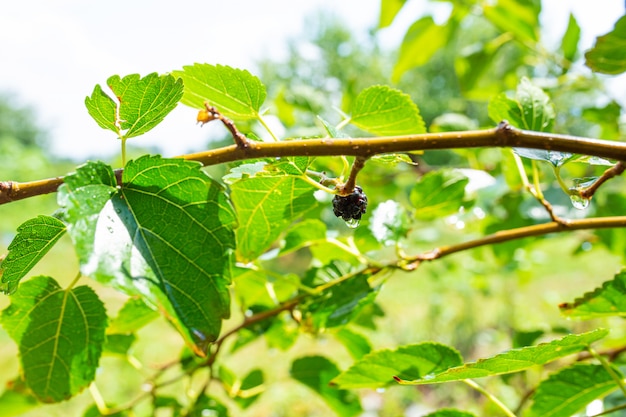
(352,206)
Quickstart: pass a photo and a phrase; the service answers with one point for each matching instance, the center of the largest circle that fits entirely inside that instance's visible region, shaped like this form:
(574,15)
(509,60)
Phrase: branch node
(210,113)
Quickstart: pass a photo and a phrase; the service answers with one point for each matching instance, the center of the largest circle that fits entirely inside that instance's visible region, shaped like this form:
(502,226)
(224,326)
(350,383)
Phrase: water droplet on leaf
(352,223)
(578,202)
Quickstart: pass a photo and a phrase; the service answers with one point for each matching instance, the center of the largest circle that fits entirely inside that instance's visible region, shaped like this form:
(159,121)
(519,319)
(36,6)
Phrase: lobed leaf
(569,390)
(35,237)
(386,111)
(608,300)
(266,206)
(515,360)
(60,334)
(438,194)
(316,372)
(142,103)
(608,55)
(379,368)
(235,93)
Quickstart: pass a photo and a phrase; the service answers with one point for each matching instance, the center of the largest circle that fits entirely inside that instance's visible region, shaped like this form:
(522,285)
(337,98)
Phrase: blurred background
(315,57)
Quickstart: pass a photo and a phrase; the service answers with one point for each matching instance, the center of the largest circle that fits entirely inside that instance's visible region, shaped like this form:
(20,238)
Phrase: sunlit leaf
(608,300)
(235,93)
(316,372)
(450,413)
(379,368)
(438,194)
(385,111)
(452,122)
(208,406)
(133,315)
(140,105)
(521,18)
(388,11)
(303,234)
(35,237)
(59,333)
(167,234)
(608,55)
(569,43)
(569,390)
(266,207)
(531,109)
(515,360)
(420,43)
(16,399)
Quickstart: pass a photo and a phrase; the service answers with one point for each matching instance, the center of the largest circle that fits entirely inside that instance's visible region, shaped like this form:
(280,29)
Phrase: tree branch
(504,135)
(411,263)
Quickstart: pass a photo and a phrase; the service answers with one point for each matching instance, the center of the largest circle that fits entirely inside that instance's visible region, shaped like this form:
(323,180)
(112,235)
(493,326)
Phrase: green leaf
(235,93)
(386,111)
(420,43)
(250,388)
(388,11)
(119,344)
(17,400)
(167,234)
(438,194)
(379,368)
(303,234)
(450,413)
(356,344)
(520,18)
(316,372)
(35,237)
(570,390)
(531,109)
(338,304)
(265,208)
(606,301)
(608,55)
(569,43)
(59,333)
(556,158)
(515,360)
(132,316)
(208,406)
(142,103)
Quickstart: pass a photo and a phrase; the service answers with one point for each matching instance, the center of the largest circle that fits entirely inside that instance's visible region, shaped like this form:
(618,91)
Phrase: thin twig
(504,136)
(357,166)
(614,171)
(411,263)
(211,113)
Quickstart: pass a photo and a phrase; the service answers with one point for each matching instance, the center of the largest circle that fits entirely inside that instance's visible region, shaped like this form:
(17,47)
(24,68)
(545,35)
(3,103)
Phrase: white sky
(54,52)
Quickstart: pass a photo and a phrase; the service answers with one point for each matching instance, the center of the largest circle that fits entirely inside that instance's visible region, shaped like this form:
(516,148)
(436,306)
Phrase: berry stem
(357,165)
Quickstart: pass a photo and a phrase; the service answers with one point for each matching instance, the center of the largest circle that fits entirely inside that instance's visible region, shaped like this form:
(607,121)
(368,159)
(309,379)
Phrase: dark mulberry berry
(352,206)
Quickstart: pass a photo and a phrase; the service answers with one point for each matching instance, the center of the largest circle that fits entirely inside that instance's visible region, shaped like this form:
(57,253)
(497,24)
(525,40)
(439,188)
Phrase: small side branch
(357,166)
(211,113)
(412,262)
(614,171)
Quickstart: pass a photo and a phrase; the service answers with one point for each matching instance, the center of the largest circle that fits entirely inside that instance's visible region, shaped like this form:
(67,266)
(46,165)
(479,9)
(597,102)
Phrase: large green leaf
(316,372)
(266,206)
(438,194)
(608,55)
(608,300)
(514,360)
(521,18)
(142,103)
(167,234)
(235,93)
(386,111)
(35,237)
(570,390)
(379,368)
(59,333)
(531,109)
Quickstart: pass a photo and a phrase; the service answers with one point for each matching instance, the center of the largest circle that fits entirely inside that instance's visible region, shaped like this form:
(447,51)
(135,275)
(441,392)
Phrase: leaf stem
(491,397)
(267,127)
(606,365)
(123,139)
(317,184)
